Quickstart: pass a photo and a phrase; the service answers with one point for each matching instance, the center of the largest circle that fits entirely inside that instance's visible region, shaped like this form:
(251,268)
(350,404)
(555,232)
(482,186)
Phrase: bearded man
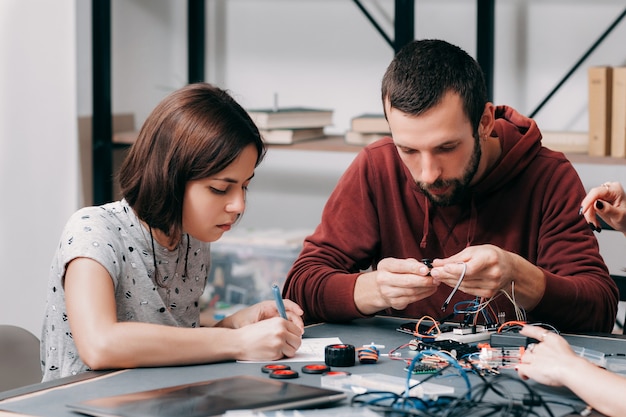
(467,185)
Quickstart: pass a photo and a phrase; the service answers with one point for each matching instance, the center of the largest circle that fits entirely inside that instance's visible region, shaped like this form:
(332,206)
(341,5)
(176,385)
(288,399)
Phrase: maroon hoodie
(527,204)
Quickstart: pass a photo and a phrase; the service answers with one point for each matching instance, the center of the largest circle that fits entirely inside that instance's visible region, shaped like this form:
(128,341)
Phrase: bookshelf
(327,144)
(577,158)
(103,145)
(336,143)
(331,143)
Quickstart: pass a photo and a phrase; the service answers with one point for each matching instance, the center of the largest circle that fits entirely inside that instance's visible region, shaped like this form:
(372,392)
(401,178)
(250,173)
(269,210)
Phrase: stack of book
(289,125)
(367,128)
(607,111)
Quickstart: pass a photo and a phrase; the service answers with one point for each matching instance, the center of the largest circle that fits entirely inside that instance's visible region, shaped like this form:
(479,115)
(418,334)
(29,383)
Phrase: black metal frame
(102,118)
(195,40)
(485,34)
(404,23)
(579,63)
(404,26)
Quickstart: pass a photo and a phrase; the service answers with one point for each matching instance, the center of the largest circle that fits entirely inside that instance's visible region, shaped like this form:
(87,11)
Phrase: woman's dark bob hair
(194,133)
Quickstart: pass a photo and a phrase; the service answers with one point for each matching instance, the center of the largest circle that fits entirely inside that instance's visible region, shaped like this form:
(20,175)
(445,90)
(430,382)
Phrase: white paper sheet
(311,350)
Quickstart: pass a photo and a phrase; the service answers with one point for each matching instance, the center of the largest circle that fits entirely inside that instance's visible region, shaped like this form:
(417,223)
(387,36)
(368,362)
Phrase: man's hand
(489,269)
(396,283)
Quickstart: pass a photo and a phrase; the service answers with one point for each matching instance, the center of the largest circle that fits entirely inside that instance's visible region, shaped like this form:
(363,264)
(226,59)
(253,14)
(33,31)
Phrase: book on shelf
(291,117)
(600,89)
(618,113)
(289,136)
(358,138)
(370,123)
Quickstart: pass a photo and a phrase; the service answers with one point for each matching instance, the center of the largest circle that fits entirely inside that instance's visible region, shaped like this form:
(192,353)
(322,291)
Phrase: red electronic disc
(315,369)
(275,367)
(284,374)
(337,373)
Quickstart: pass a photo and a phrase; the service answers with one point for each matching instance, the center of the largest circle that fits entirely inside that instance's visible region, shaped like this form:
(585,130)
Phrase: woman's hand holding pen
(269,339)
(264,333)
(607,201)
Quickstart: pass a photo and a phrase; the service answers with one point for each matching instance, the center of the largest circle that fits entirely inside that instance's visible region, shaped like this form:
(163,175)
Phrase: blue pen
(279,301)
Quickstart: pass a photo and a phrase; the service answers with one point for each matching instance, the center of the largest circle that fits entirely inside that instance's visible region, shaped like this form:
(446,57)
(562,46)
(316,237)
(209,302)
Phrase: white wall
(290,188)
(38,163)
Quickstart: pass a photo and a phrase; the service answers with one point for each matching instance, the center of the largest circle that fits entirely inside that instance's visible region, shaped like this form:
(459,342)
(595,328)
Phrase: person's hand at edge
(607,201)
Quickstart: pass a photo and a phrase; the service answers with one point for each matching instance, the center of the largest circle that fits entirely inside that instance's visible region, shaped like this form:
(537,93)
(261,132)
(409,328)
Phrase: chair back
(620,280)
(19,358)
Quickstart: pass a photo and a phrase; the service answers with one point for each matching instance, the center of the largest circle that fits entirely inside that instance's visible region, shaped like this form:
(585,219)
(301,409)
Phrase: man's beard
(459,186)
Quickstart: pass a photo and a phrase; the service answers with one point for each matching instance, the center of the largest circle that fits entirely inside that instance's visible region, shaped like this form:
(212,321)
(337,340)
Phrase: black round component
(274,367)
(339,355)
(284,374)
(315,369)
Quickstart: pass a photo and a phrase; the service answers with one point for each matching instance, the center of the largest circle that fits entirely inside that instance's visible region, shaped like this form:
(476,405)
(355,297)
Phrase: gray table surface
(378,330)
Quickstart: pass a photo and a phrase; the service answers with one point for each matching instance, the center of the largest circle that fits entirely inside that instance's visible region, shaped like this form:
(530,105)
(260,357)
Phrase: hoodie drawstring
(470,231)
(426,222)
(472,223)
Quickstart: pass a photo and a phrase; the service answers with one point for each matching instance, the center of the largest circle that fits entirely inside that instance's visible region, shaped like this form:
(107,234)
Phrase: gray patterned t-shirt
(113,236)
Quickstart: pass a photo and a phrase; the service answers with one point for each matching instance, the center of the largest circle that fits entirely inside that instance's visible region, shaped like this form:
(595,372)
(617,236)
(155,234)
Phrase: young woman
(126,279)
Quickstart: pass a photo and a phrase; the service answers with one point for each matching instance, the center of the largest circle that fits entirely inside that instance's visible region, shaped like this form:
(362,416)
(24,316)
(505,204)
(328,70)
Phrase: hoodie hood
(520,140)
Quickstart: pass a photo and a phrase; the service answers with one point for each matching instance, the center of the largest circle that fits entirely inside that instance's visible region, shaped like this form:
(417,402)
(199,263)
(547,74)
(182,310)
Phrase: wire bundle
(482,306)
(368,354)
(504,401)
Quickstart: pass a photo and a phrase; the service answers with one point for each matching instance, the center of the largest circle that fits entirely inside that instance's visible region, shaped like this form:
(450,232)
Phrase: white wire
(520,313)
(456,287)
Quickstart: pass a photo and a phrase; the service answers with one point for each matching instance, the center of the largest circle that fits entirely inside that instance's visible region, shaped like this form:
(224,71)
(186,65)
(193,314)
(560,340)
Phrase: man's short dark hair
(423,71)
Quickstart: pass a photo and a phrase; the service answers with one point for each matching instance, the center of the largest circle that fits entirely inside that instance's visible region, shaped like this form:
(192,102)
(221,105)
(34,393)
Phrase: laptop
(211,398)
